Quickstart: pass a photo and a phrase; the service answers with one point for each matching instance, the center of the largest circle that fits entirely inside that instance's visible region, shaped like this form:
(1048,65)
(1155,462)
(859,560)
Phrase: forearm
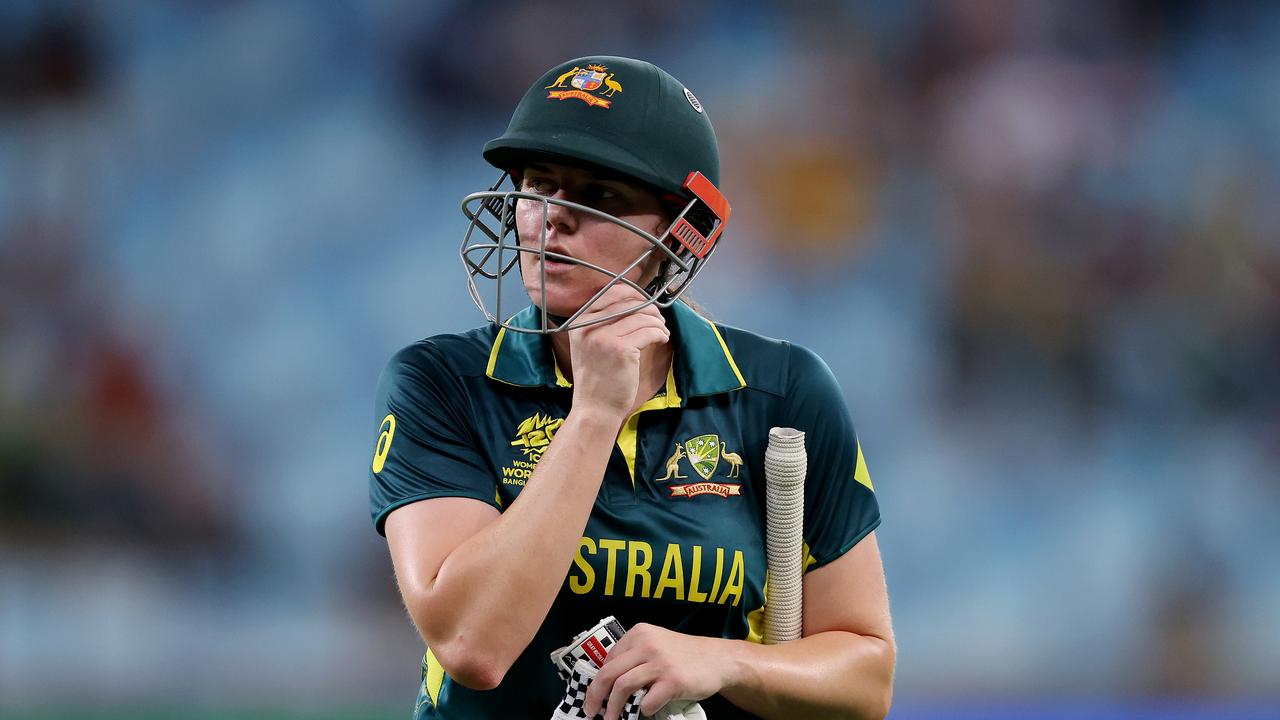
(831,674)
(493,592)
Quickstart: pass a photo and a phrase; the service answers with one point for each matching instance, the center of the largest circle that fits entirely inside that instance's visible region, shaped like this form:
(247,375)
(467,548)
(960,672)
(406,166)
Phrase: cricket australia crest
(704,453)
(586,83)
(589,79)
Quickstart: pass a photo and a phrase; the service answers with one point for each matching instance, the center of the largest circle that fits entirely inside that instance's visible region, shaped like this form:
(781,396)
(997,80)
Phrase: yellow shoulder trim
(673,395)
(727,355)
(561,380)
(860,470)
(434,679)
(493,353)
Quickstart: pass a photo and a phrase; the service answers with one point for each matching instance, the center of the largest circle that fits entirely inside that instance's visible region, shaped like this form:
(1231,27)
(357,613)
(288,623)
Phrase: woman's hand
(606,357)
(672,665)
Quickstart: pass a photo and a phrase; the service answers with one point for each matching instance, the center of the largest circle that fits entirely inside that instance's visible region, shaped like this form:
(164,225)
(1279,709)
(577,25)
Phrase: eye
(597,193)
(538,185)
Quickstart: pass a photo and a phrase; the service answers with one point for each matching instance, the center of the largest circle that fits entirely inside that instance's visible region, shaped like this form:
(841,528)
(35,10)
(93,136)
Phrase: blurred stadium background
(1038,242)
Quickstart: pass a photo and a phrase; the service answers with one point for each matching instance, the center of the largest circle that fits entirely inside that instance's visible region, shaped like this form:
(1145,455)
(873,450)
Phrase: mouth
(557,262)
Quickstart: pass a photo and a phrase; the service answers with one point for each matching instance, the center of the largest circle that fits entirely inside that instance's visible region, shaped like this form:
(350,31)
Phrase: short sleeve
(425,445)
(840,506)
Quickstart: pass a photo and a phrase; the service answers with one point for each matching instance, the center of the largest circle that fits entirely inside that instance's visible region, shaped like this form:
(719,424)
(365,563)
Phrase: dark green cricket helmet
(627,115)
(623,115)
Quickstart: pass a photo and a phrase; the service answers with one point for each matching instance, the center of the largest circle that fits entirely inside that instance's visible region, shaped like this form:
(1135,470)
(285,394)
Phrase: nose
(560,219)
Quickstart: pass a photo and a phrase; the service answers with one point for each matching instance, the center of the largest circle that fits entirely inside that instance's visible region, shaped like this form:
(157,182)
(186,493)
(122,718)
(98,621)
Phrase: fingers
(617,664)
(618,298)
(659,694)
(621,326)
(644,337)
(626,686)
(606,356)
(668,666)
(638,329)
(597,691)
(618,685)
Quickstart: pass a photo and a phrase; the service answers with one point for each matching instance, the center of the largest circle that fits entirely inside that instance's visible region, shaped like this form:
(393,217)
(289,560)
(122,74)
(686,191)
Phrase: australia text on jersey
(643,579)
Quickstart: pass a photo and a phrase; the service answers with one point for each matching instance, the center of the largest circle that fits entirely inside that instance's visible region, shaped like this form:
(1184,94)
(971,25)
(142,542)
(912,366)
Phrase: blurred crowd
(1038,243)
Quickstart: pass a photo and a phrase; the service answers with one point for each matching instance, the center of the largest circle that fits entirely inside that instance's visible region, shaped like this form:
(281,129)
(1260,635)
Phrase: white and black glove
(575,695)
(579,661)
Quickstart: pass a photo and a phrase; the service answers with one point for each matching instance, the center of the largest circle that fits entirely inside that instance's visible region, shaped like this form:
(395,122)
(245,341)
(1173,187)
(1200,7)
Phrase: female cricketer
(601,452)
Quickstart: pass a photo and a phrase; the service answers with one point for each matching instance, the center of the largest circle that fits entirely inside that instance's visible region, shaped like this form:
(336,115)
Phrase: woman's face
(584,236)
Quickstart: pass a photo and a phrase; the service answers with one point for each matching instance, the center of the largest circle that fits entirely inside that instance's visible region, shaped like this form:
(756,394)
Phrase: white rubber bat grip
(785,467)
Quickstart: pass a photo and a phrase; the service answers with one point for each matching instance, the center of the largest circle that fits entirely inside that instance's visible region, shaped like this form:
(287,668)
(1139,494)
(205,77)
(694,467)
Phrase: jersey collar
(703,364)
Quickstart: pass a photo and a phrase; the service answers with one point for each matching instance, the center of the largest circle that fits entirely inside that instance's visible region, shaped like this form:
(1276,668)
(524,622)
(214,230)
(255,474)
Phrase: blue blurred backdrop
(1038,242)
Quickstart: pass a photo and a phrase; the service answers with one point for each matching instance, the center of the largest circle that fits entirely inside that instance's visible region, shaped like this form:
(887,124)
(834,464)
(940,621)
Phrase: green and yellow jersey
(676,537)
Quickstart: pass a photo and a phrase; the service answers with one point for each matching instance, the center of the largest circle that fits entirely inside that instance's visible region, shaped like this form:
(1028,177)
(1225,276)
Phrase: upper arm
(840,507)
(844,585)
(422,535)
(424,445)
(849,594)
(430,485)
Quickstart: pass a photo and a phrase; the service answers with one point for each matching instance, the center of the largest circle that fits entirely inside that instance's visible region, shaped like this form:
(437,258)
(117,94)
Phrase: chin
(565,296)
(557,302)
(563,304)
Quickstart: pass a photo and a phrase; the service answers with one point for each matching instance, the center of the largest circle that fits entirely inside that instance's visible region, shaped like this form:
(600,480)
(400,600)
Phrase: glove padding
(575,695)
(680,710)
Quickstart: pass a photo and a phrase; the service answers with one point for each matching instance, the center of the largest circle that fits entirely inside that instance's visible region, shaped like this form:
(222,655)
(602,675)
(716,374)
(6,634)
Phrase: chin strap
(660,280)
